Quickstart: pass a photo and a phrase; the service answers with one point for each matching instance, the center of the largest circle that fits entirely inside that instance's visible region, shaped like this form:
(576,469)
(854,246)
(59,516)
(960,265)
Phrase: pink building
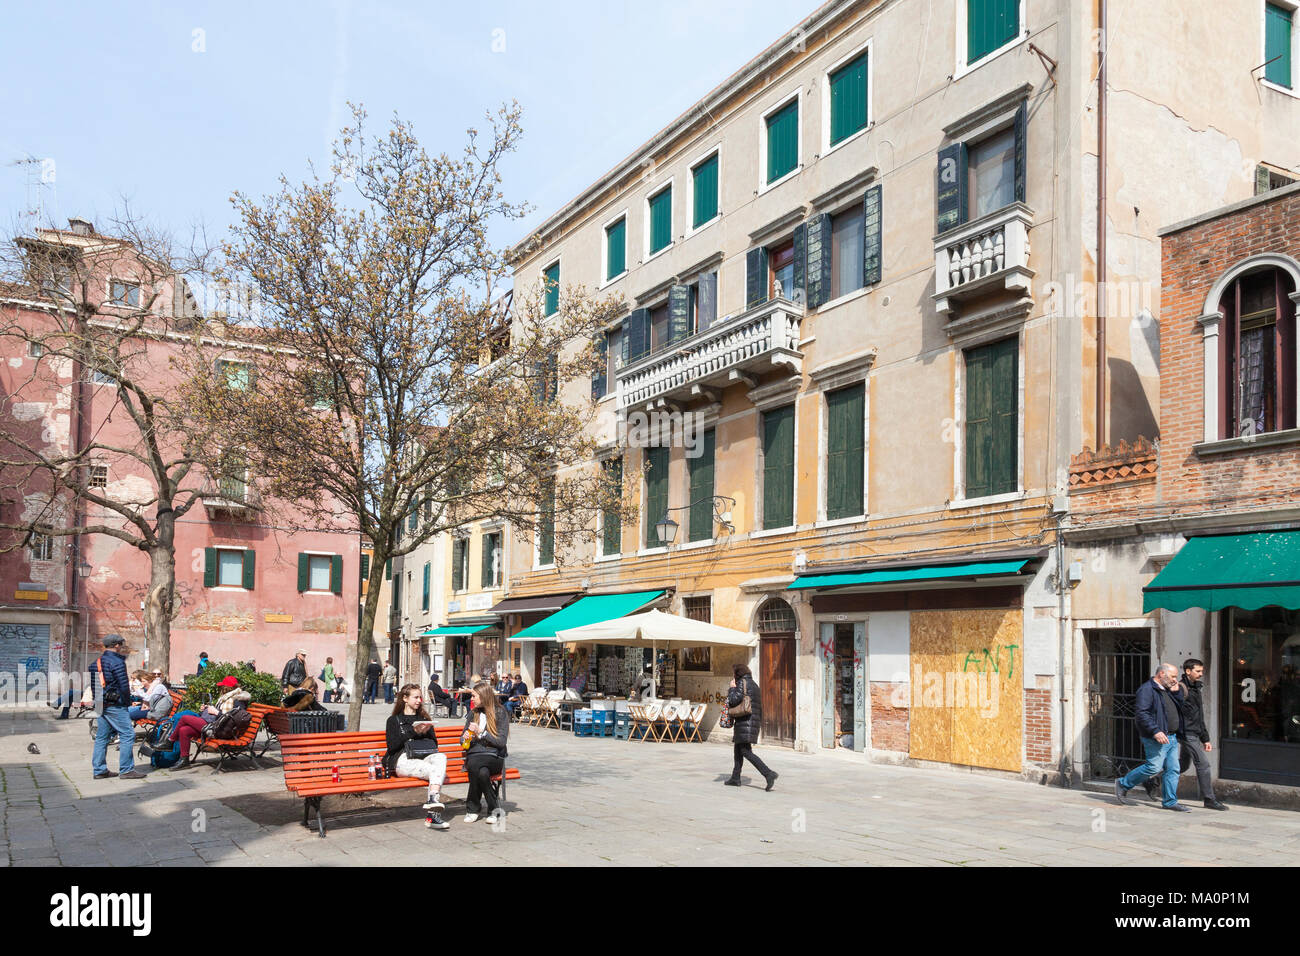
(253,580)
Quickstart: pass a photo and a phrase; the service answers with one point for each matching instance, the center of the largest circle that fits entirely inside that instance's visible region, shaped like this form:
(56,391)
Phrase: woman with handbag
(745,710)
(189,726)
(413,749)
(486,726)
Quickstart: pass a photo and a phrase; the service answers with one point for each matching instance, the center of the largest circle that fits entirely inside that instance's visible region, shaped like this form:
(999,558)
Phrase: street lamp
(666,529)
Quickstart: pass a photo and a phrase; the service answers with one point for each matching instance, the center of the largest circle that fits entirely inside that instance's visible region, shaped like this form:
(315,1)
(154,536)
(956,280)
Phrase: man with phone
(112,690)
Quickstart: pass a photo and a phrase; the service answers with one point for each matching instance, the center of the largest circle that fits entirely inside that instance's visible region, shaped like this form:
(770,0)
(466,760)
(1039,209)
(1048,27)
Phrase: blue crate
(583,725)
(622,725)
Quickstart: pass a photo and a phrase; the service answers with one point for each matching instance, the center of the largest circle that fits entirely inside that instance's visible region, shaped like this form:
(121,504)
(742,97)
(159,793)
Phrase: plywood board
(989,656)
(930,736)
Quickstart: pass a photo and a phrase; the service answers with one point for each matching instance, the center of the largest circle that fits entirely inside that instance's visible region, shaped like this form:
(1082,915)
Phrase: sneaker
(1178,808)
(435,804)
(105,775)
(134,775)
(1212,804)
(1120,790)
(489,818)
(470,818)
(771,780)
(435,822)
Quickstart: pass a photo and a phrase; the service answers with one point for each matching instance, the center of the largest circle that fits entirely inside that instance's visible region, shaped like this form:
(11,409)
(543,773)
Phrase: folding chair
(655,724)
(671,722)
(691,724)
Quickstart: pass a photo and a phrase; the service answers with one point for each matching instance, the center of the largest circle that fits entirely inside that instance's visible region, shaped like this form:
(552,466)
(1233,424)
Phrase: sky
(172,107)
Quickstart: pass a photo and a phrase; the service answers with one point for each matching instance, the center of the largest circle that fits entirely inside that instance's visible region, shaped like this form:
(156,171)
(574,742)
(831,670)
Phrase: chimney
(81,227)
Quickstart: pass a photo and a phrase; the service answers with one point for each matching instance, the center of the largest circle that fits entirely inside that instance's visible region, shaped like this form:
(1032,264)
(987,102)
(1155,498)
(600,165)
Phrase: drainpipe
(1063,697)
(1101,226)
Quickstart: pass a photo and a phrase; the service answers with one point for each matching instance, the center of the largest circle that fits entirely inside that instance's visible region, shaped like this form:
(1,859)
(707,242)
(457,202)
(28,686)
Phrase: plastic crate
(583,725)
(622,725)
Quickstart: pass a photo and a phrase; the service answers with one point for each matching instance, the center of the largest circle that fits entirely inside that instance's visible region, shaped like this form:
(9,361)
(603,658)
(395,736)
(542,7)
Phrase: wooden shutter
(599,383)
(783,142)
(950,187)
(990,24)
(616,249)
(844,451)
(485,561)
(705,189)
(656,493)
(424,599)
(992,419)
(661,220)
(1263,180)
(1277,44)
(818,281)
(679,313)
(388,571)
(778,468)
(210,567)
(755,277)
(250,558)
(1021,127)
(848,99)
(546,531)
(365,568)
(1006,416)
(304,572)
(457,565)
(799,294)
(552,277)
(706,300)
(636,335)
(871,213)
(336,573)
(701,489)
(612,529)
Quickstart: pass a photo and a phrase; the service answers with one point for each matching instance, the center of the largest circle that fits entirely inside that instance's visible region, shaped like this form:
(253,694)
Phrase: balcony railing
(230,494)
(737,347)
(982,257)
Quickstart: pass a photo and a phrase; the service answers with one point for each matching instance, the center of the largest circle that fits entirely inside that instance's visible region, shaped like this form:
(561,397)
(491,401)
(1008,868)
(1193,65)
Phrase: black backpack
(230,726)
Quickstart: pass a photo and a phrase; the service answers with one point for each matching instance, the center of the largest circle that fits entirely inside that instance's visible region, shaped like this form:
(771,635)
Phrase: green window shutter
(701,473)
(661,220)
(992,419)
(250,559)
(458,565)
(1277,45)
(871,269)
(485,561)
(388,572)
(844,451)
(755,277)
(1006,417)
(599,383)
(424,599)
(1021,128)
(799,281)
(546,531)
(979,407)
(679,313)
(656,493)
(705,188)
(636,335)
(616,249)
(210,568)
(990,24)
(950,187)
(817,255)
(849,99)
(611,528)
(778,468)
(552,277)
(365,568)
(782,141)
(304,572)
(336,573)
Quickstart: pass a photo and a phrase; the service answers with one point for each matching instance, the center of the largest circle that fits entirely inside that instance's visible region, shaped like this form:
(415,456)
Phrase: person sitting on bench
(486,725)
(410,721)
(304,698)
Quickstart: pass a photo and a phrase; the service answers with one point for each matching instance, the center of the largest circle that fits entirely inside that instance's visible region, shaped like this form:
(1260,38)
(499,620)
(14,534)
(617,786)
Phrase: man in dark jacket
(745,734)
(1195,744)
(295,671)
(1159,719)
(112,690)
(373,673)
(439,696)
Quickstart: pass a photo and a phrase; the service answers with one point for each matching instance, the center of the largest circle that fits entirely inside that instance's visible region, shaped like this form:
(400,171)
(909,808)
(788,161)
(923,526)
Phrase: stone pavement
(603,801)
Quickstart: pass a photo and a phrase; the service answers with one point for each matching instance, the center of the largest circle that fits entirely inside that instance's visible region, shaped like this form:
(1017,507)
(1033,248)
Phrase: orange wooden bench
(310,761)
(236,747)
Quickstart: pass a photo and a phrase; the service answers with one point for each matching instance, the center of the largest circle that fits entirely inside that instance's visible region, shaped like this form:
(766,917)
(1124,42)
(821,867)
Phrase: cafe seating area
(672,720)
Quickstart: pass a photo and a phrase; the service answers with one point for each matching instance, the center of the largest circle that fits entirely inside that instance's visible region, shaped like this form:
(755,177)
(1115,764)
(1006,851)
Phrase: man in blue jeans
(112,692)
(1159,720)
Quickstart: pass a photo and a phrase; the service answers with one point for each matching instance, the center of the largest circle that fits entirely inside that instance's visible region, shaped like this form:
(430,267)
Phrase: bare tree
(396,386)
(115,325)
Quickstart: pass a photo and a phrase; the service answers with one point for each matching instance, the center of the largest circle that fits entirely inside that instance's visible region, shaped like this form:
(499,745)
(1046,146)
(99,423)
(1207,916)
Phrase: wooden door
(776,656)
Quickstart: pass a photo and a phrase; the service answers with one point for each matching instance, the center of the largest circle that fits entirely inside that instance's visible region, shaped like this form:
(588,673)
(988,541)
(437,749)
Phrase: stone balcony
(984,258)
(231,497)
(737,349)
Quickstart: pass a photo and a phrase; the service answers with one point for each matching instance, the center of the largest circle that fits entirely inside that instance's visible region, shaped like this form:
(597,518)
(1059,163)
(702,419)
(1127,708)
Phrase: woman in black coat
(746,730)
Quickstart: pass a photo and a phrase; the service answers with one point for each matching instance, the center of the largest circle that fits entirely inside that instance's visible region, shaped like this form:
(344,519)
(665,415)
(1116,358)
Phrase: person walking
(1194,743)
(112,690)
(295,672)
(373,673)
(1159,719)
(486,725)
(327,678)
(410,721)
(747,726)
(389,679)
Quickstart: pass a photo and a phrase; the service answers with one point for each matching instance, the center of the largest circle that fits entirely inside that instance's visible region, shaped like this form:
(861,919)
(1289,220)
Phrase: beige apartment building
(863,340)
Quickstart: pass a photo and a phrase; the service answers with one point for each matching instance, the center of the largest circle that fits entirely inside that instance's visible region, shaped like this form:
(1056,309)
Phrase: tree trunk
(366,638)
(160,603)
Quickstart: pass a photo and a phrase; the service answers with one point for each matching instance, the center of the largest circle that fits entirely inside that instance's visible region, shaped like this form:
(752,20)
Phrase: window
(232,483)
(656,493)
(228,568)
(546,381)
(491,568)
(321,389)
(42,546)
(848,86)
(782,129)
(1277,44)
(661,220)
(698,608)
(658,320)
(778,468)
(845,427)
(703,301)
(611,536)
(546,526)
(460,564)
(98,476)
(776,617)
(704,192)
(234,375)
(600,378)
(781,270)
(424,596)
(35,350)
(700,471)
(616,249)
(993,173)
(124,293)
(551,278)
(102,376)
(613,356)
(992,419)
(847,245)
(324,572)
(990,25)
(1258,355)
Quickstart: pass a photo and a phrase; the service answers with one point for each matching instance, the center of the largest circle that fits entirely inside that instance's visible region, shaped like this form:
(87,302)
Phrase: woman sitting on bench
(486,727)
(410,722)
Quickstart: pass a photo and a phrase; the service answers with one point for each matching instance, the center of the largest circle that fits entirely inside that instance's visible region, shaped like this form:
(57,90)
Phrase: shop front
(1250,584)
(518,614)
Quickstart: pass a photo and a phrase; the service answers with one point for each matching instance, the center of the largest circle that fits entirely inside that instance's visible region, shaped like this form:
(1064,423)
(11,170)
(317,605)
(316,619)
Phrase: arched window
(1257,354)
(776,617)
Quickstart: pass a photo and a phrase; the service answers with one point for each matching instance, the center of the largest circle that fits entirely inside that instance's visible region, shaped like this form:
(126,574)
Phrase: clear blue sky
(123,103)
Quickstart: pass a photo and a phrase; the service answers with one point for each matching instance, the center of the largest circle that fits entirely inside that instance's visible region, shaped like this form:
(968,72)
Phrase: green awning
(1249,571)
(456,630)
(938,572)
(589,610)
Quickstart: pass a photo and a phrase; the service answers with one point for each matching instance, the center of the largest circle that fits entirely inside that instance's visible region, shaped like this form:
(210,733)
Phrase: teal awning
(589,610)
(456,630)
(938,572)
(1249,571)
